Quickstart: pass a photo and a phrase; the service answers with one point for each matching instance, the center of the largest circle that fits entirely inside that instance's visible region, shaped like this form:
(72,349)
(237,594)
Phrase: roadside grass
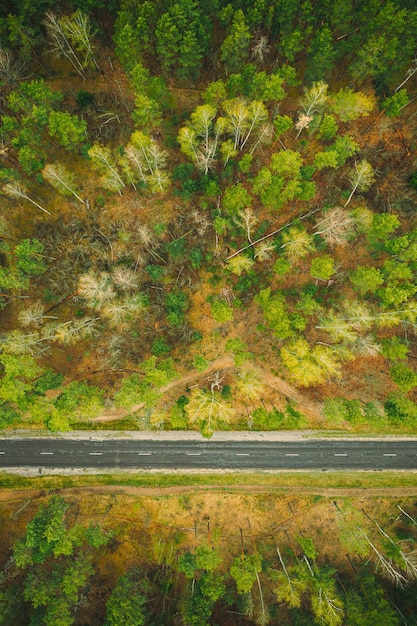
(274,481)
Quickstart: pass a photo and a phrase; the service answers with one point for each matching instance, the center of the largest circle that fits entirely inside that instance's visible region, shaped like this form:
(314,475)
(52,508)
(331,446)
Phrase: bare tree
(336,227)
(61,179)
(17,190)
(260,49)
(70,38)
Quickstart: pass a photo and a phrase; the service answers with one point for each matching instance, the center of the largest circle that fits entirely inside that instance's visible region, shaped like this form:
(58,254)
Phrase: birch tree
(61,179)
(70,38)
(361,178)
(312,102)
(104,161)
(336,227)
(17,190)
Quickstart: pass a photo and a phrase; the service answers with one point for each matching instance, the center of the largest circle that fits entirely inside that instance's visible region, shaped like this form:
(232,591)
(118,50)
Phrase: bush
(48,380)
(160,346)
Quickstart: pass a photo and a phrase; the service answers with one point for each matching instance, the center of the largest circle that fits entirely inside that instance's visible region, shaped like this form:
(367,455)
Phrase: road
(210,455)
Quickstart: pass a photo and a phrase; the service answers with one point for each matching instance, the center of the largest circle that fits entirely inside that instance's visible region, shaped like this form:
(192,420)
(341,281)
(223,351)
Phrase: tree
(69,129)
(328,158)
(322,267)
(348,105)
(17,190)
(336,227)
(61,179)
(244,570)
(127,601)
(367,605)
(361,178)
(70,38)
(396,103)
(320,54)
(147,161)
(310,366)
(29,257)
(236,47)
(312,101)
(103,160)
(366,279)
(209,410)
(404,376)
(290,586)
(275,312)
(297,243)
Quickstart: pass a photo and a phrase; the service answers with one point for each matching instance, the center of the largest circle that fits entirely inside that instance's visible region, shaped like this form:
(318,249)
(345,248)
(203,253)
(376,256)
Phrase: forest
(208,215)
(208,558)
(207,222)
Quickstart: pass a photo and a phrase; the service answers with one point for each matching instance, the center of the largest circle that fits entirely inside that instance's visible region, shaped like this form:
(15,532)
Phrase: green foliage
(383,224)
(323,267)
(329,158)
(244,570)
(127,602)
(200,363)
(84,98)
(400,409)
(394,348)
(68,129)
(395,103)
(29,257)
(176,304)
(310,366)
(79,400)
(282,123)
(18,377)
(46,535)
(349,105)
(49,380)
(235,48)
(221,311)
(404,376)
(366,279)
(345,147)
(320,54)
(275,312)
(177,248)
(282,266)
(328,127)
(160,346)
(340,410)
(236,198)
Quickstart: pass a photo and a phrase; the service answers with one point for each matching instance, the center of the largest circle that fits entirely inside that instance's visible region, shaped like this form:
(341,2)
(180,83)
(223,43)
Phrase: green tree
(310,366)
(320,54)
(235,48)
(395,103)
(348,105)
(322,267)
(366,279)
(69,129)
(29,257)
(127,601)
(244,570)
(404,376)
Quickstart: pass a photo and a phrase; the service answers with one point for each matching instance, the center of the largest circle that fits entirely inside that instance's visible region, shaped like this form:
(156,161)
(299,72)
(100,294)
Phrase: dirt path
(312,409)
(153,492)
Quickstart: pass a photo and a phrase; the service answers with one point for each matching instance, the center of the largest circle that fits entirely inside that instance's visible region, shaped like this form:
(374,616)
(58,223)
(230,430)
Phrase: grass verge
(275,481)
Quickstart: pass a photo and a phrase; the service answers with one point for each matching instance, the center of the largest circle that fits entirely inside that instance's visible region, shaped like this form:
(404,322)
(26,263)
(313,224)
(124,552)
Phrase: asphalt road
(256,455)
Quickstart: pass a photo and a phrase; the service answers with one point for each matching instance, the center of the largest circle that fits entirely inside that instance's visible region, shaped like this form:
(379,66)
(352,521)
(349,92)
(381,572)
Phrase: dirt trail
(153,492)
(312,409)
